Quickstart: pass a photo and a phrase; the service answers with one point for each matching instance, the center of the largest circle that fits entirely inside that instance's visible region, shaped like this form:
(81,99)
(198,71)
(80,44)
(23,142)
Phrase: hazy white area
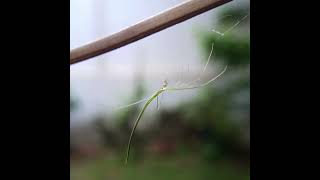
(105,82)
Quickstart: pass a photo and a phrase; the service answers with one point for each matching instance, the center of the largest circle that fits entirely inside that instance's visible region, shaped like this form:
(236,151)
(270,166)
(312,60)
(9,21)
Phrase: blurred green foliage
(234,47)
(178,167)
(234,50)
(222,113)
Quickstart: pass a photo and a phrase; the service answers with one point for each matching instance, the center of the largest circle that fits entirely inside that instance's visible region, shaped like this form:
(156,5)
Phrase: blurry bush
(222,112)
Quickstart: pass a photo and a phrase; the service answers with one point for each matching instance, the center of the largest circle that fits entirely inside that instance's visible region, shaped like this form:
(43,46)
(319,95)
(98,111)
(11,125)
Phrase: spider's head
(165,83)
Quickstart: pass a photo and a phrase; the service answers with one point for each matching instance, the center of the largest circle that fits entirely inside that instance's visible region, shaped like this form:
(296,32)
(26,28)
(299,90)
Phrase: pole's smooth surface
(144,28)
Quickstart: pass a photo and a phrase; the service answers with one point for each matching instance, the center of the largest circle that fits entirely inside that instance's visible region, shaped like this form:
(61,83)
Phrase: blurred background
(202,133)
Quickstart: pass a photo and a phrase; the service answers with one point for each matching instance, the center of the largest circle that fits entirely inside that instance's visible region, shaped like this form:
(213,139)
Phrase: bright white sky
(104,82)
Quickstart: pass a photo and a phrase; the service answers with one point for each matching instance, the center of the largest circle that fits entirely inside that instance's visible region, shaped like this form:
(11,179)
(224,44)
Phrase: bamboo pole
(144,28)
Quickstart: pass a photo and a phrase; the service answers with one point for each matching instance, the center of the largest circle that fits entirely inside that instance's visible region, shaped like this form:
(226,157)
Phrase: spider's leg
(201,85)
(158,103)
(209,58)
(132,104)
(156,94)
(231,28)
(236,24)
(213,79)
(200,74)
(178,83)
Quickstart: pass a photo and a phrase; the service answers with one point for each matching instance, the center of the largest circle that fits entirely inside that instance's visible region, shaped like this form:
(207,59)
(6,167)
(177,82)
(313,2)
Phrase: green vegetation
(186,167)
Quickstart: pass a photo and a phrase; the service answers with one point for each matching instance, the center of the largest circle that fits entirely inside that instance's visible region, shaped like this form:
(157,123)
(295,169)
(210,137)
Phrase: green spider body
(154,96)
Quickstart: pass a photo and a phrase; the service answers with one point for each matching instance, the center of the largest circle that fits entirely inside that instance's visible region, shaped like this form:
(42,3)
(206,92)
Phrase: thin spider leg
(218,32)
(190,83)
(219,19)
(195,80)
(209,58)
(161,98)
(157,103)
(235,25)
(210,55)
(213,79)
(132,104)
(204,69)
(156,94)
(202,85)
(232,27)
(181,84)
(178,83)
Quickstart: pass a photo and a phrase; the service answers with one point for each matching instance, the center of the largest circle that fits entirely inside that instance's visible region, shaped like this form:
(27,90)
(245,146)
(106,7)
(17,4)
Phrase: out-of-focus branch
(144,28)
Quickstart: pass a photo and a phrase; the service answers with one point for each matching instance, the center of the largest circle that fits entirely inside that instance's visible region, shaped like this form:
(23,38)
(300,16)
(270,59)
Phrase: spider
(156,94)
(165,87)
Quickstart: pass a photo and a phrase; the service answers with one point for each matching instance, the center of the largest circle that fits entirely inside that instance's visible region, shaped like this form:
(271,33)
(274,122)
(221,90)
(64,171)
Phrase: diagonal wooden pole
(144,28)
